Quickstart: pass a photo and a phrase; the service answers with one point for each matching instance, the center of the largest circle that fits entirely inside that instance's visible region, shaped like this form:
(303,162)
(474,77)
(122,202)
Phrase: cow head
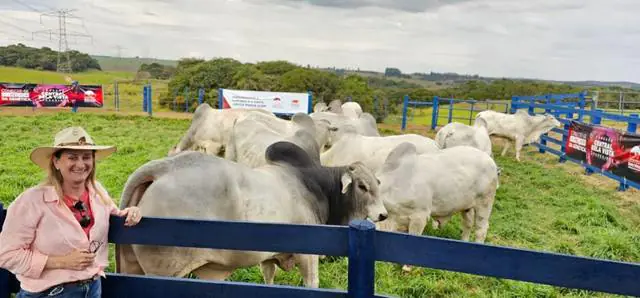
(360,194)
(335,133)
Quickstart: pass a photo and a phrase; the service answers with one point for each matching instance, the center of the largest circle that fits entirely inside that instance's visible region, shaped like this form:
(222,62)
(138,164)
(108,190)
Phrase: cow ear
(346,182)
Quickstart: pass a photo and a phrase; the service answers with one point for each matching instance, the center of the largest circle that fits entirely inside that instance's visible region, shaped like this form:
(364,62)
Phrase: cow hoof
(406,268)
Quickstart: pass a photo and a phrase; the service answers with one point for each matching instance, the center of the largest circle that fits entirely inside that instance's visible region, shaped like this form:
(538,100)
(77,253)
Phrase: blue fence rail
(566,112)
(361,243)
(436,104)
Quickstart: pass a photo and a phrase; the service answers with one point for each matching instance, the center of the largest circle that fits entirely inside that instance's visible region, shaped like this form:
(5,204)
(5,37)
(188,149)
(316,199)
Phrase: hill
(130,64)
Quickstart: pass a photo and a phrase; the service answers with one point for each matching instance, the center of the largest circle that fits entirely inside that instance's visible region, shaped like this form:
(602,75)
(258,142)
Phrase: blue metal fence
(436,104)
(573,107)
(361,243)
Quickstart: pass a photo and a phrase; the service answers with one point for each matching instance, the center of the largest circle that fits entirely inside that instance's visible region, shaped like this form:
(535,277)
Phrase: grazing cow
(416,187)
(210,128)
(350,147)
(253,133)
(520,127)
(458,134)
(320,107)
(290,189)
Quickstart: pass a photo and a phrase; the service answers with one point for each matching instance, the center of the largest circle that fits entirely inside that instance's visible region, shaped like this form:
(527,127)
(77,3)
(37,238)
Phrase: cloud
(549,39)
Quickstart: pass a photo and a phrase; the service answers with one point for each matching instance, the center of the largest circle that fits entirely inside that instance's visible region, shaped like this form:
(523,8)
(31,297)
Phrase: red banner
(51,95)
(605,148)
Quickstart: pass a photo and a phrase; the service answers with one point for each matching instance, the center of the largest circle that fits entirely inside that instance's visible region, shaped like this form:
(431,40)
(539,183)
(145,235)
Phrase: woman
(54,236)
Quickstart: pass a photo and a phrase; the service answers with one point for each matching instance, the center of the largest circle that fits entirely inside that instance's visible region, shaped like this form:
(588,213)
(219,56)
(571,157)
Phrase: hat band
(76,144)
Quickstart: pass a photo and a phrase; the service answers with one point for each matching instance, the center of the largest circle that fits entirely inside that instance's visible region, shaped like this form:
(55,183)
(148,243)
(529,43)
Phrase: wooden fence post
(361,259)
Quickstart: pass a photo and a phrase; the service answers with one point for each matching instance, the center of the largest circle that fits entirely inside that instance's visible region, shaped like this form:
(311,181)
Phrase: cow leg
(268,269)
(127,260)
(507,143)
(417,222)
(519,142)
(483,212)
(212,271)
(439,222)
(309,266)
(467,223)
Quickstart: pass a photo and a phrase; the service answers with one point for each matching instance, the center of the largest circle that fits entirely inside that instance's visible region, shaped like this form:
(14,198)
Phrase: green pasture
(539,206)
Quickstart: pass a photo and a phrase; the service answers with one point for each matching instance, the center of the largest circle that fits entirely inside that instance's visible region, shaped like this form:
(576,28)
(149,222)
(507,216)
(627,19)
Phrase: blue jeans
(87,290)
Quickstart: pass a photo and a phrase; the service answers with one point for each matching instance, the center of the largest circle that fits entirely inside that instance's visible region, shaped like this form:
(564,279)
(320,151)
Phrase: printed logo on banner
(605,148)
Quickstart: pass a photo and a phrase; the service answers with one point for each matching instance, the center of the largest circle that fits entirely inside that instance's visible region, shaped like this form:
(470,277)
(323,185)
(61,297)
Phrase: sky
(544,39)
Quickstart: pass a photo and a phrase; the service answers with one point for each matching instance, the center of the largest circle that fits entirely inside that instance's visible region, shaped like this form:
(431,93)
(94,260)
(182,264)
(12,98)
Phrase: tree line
(326,84)
(45,58)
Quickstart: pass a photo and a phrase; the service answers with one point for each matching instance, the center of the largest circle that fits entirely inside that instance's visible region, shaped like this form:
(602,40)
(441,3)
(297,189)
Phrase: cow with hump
(291,188)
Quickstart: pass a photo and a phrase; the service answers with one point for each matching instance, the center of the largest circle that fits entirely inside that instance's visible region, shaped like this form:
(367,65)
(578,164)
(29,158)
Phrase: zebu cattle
(365,125)
(520,127)
(458,134)
(351,109)
(210,129)
(253,133)
(416,187)
(290,189)
(349,147)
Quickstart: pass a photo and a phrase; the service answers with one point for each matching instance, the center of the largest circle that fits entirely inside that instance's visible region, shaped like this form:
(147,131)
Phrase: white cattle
(351,109)
(350,147)
(520,127)
(253,133)
(365,125)
(290,189)
(458,134)
(416,187)
(210,129)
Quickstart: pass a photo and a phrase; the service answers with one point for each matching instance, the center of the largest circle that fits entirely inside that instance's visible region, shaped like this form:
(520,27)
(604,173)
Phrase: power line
(64,61)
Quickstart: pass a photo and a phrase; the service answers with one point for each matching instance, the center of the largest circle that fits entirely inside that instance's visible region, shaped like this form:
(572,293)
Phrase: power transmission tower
(64,61)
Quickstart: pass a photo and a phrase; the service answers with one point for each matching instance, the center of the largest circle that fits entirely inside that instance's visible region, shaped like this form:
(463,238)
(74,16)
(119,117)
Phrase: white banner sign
(275,102)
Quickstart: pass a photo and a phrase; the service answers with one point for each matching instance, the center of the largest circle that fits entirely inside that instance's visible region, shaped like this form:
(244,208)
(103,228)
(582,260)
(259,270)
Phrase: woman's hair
(54,178)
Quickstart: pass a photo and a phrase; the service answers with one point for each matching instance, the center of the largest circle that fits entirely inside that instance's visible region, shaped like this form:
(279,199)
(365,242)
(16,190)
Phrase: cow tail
(140,180)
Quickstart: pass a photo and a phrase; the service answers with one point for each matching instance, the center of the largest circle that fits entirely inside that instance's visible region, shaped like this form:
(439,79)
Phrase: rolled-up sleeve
(18,232)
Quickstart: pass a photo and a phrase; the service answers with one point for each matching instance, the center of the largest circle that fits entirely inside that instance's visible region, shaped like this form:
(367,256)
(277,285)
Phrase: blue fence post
(532,104)
(200,96)
(361,259)
(220,99)
(581,105)
(405,104)
(144,98)
(514,104)
(150,101)
(450,116)
(436,111)
(632,127)
(310,102)
(563,149)
(375,105)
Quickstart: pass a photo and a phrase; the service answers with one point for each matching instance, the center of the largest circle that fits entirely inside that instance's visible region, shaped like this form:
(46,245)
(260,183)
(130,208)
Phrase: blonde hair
(54,178)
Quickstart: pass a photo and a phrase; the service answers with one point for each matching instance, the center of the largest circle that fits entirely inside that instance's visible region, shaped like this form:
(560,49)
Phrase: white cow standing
(520,127)
(458,134)
(351,109)
(290,189)
(416,187)
(253,133)
(210,129)
(349,146)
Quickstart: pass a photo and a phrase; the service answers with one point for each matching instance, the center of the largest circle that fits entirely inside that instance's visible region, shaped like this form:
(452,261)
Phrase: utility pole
(64,61)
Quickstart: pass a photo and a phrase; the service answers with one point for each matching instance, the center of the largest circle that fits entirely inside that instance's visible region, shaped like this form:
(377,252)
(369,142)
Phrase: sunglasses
(85,220)
(94,246)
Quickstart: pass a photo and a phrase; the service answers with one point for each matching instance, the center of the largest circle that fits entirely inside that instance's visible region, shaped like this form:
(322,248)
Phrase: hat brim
(41,155)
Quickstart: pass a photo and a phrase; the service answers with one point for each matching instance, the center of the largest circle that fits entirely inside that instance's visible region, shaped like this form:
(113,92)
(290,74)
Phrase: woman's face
(75,165)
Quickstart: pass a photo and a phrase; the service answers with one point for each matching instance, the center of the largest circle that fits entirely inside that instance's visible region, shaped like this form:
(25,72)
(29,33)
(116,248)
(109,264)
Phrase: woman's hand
(77,260)
(133,216)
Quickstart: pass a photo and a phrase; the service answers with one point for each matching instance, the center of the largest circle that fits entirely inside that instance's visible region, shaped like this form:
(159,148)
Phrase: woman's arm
(17,235)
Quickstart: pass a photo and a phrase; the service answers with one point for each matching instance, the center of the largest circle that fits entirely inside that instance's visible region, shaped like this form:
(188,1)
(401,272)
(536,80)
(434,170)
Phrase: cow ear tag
(346,181)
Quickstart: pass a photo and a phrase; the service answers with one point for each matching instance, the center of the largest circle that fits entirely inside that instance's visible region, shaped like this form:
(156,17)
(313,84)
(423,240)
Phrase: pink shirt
(37,225)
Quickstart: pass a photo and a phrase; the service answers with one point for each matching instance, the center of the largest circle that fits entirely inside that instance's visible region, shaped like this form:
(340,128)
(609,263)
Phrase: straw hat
(69,138)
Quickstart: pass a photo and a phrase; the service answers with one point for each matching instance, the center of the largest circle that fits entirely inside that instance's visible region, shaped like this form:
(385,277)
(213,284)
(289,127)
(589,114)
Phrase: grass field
(540,205)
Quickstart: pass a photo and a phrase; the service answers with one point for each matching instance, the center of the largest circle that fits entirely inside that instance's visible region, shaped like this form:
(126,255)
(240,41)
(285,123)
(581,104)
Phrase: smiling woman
(46,224)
